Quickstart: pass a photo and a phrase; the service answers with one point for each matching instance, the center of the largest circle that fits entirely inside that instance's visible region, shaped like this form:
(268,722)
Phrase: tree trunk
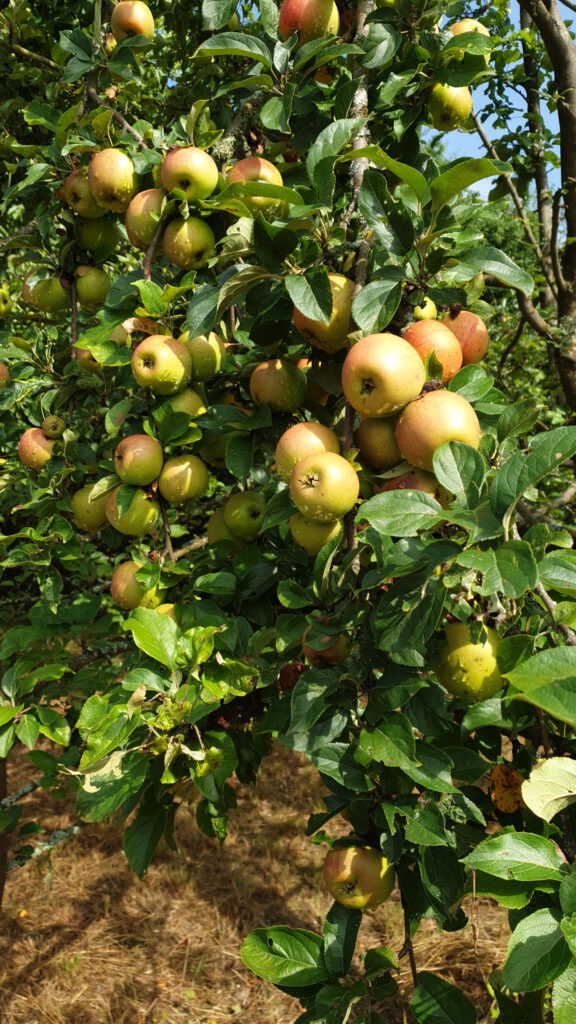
(3,835)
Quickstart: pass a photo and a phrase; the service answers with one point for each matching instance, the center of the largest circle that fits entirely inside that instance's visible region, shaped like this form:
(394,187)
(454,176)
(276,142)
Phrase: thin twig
(167,534)
(149,258)
(511,344)
(13,798)
(194,545)
(97,101)
(545,742)
(29,55)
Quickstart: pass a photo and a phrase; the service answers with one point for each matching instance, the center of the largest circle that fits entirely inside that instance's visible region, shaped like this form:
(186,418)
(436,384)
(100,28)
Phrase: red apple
(279,384)
(331,336)
(162,364)
(428,336)
(138,459)
(183,478)
(128,592)
(433,420)
(377,443)
(188,243)
(381,374)
(4,375)
(358,876)
(311,19)
(255,168)
(324,487)
(34,448)
(418,480)
(76,193)
(191,170)
(112,179)
(472,335)
(300,440)
(142,217)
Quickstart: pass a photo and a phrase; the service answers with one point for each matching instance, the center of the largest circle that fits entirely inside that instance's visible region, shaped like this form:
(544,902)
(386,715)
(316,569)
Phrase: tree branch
(554,254)
(95,99)
(234,138)
(29,55)
(149,258)
(193,545)
(532,316)
(511,344)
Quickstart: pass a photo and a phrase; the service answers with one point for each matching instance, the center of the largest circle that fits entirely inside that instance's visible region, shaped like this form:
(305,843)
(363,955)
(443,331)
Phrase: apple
(97,235)
(315,393)
(143,215)
(53,427)
(47,294)
(331,336)
(472,335)
(128,593)
(86,360)
(300,440)
(466,669)
(377,443)
(112,179)
(358,876)
(4,376)
(189,244)
(167,609)
(311,19)
(75,192)
(330,653)
(5,303)
(140,517)
(324,487)
(279,384)
(449,106)
(138,459)
(131,18)
(435,419)
(428,336)
(191,170)
(183,478)
(187,401)
(34,448)
(289,675)
(89,507)
(92,286)
(206,352)
(312,536)
(418,480)
(468,25)
(256,168)
(427,311)
(244,514)
(162,364)
(381,374)
(216,529)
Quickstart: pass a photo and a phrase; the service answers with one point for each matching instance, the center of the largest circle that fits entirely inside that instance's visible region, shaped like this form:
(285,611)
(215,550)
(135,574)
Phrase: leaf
(109,783)
(401,513)
(223,583)
(461,470)
(518,418)
(339,933)
(537,952)
(557,571)
(311,293)
(509,569)
(217,13)
(460,176)
(154,634)
(27,730)
(523,857)
(236,44)
(523,471)
(375,304)
(436,1001)
(291,957)
(564,996)
(548,680)
(425,826)
(499,265)
(321,156)
(142,837)
(551,787)
(381,43)
(392,743)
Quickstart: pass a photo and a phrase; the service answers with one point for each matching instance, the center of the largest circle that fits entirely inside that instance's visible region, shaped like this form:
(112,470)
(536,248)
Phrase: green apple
(189,244)
(183,478)
(141,516)
(300,440)
(312,536)
(34,448)
(188,401)
(449,106)
(143,215)
(75,192)
(162,364)
(138,459)
(377,443)
(86,360)
(358,876)
(53,427)
(427,311)
(89,507)
(324,486)
(191,170)
(216,529)
(207,352)
(46,293)
(92,287)
(279,384)
(331,336)
(5,303)
(112,179)
(128,592)
(97,235)
(256,169)
(467,669)
(244,514)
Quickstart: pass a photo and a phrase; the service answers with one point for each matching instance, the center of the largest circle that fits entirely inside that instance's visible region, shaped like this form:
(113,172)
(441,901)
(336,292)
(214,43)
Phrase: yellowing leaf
(551,787)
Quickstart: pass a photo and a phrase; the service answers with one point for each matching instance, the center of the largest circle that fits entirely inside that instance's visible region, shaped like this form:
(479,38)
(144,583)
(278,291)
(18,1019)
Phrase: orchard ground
(82,939)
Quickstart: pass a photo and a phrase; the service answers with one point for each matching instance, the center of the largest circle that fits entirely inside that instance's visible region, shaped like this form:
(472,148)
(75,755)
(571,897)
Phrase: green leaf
(523,857)
(311,293)
(425,825)
(375,304)
(557,571)
(537,952)
(548,680)
(236,44)
(401,513)
(142,837)
(460,176)
(109,782)
(154,634)
(392,743)
(340,932)
(436,1001)
(151,297)
(517,419)
(551,787)
(223,583)
(521,471)
(499,265)
(28,730)
(217,13)
(509,569)
(323,153)
(461,470)
(272,244)
(291,957)
(380,44)
(409,175)
(432,769)
(7,713)
(564,996)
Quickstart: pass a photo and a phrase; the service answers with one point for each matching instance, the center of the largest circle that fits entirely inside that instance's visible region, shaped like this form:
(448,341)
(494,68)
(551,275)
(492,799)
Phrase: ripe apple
(183,478)
(300,440)
(142,217)
(75,192)
(131,18)
(255,168)
(216,529)
(279,384)
(47,293)
(53,427)
(377,443)
(89,507)
(206,352)
(138,459)
(469,670)
(5,376)
(92,286)
(435,419)
(97,235)
(427,311)
(188,401)
(418,480)
(191,170)
(381,374)
(128,593)
(331,336)
(162,364)
(449,106)
(324,487)
(140,517)
(428,336)
(472,334)
(358,876)
(86,360)
(468,25)
(311,19)
(315,393)
(312,536)
(5,303)
(331,654)
(244,514)
(112,179)
(189,244)
(34,448)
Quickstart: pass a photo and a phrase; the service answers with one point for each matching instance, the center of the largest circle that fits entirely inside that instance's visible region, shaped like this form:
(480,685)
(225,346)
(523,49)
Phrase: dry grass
(83,941)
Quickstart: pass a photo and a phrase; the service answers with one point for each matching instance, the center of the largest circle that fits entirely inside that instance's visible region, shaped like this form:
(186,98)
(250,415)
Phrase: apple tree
(257,482)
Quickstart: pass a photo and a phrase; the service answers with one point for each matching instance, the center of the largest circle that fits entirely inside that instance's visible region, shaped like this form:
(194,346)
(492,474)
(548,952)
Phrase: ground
(83,940)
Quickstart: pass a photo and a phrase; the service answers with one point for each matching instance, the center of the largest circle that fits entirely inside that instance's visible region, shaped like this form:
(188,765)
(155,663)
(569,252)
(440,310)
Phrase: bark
(3,835)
